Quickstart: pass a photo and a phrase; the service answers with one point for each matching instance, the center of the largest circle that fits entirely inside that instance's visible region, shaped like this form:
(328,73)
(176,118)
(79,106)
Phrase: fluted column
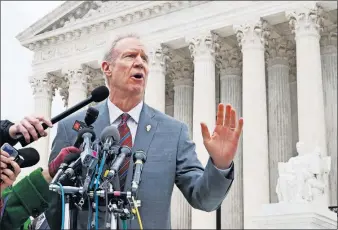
(230,65)
(155,89)
(251,38)
(306,24)
(202,48)
(279,109)
(43,90)
(78,81)
(329,71)
(183,111)
(293,98)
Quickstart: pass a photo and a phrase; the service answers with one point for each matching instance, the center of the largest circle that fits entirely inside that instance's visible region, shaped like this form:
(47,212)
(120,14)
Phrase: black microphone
(98,94)
(30,155)
(26,157)
(90,118)
(139,158)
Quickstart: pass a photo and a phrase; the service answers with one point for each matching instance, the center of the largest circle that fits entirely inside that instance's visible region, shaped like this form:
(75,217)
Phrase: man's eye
(131,55)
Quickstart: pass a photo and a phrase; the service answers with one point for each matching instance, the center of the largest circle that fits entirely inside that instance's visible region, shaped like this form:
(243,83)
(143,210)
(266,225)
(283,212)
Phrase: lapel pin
(148,127)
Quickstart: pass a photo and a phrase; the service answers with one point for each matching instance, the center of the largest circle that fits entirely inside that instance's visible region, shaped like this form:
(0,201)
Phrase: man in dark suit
(171,156)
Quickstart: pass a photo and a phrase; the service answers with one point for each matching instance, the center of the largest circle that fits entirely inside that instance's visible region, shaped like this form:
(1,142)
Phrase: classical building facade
(275,62)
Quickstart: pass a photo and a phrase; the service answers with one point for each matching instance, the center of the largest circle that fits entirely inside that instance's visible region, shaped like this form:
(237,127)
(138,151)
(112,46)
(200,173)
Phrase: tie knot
(125,117)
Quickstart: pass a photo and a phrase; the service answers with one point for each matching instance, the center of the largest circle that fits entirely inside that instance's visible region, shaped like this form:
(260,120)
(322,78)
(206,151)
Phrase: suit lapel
(145,132)
(103,119)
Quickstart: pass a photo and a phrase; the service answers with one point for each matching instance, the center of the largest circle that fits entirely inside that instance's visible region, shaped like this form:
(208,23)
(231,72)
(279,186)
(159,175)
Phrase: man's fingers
(239,128)
(233,119)
(6,180)
(16,168)
(37,125)
(29,128)
(6,160)
(9,173)
(205,132)
(4,153)
(227,115)
(3,165)
(44,120)
(220,114)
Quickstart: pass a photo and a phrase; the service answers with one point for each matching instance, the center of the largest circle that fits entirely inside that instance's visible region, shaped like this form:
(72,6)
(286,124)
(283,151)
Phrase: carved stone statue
(303,178)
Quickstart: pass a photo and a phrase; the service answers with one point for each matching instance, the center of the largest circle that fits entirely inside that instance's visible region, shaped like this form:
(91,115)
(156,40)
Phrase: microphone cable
(135,210)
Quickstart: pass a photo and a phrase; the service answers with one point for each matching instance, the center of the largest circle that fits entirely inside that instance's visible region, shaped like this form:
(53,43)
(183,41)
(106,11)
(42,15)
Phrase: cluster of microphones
(91,177)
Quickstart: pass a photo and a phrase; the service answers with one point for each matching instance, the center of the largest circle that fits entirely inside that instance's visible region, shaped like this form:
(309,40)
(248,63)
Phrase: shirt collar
(115,112)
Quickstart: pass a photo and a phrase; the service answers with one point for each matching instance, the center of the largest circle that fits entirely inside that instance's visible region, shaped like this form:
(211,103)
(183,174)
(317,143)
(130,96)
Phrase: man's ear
(105,68)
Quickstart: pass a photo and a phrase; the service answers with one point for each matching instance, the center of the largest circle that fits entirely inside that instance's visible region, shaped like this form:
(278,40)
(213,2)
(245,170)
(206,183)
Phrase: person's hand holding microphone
(7,175)
(30,125)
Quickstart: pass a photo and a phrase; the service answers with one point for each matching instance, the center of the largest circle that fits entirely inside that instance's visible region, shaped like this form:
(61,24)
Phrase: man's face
(129,70)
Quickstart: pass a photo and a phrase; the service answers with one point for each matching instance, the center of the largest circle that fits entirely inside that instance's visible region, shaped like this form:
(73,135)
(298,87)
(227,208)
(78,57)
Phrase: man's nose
(138,62)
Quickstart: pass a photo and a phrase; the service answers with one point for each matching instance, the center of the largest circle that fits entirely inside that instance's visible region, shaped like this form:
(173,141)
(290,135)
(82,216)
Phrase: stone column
(279,109)
(155,90)
(183,111)
(77,78)
(251,38)
(294,104)
(329,71)
(43,90)
(230,65)
(169,96)
(306,24)
(203,48)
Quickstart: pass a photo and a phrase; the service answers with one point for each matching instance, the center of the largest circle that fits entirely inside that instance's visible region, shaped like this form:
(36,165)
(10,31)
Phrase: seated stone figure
(303,179)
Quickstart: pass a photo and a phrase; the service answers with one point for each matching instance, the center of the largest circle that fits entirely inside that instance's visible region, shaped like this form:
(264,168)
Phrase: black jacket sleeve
(4,133)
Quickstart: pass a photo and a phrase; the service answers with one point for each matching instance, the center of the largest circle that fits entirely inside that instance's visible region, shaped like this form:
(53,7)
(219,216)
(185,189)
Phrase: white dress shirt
(115,117)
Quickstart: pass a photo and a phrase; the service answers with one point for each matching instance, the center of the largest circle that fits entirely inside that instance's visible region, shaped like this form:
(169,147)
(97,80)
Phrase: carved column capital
(182,72)
(252,35)
(203,44)
(77,77)
(229,62)
(278,51)
(64,91)
(160,56)
(306,21)
(44,85)
(169,91)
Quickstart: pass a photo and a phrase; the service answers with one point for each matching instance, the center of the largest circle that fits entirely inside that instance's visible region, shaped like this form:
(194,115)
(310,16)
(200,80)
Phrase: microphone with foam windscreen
(98,94)
(109,136)
(26,157)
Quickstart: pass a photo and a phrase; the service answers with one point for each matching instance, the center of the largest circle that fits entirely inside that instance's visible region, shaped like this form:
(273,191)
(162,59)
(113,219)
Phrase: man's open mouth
(137,75)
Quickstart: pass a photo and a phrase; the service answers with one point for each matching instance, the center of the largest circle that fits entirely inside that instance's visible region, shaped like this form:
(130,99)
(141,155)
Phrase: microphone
(87,159)
(98,94)
(89,119)
(139,158)
(26,157)
(124,152)
(91,116)
(109,136)
(30,157)
(68,159)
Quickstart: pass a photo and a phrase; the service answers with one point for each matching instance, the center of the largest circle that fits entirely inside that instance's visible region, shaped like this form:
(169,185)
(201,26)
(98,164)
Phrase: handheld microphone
(139,158)
(26,157)
(98,94)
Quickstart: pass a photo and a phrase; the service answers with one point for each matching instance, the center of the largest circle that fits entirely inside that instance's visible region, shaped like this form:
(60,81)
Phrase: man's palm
(222,144)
